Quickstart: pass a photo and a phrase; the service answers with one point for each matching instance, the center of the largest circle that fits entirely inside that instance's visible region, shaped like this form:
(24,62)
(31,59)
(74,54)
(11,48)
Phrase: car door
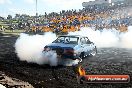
(89,45)
(84,46)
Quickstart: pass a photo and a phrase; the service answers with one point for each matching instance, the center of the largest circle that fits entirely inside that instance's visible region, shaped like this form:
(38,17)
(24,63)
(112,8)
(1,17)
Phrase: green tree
(9,17)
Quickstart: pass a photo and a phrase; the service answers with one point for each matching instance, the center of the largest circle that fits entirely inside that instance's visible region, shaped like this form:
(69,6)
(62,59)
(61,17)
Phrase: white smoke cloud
(1,86)
(107,37)
(126,41)
(29,48)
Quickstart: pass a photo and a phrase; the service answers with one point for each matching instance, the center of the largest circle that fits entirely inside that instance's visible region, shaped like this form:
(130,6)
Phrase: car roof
(72,36)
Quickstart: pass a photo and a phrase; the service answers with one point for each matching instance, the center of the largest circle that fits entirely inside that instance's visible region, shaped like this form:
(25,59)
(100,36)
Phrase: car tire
(80,59)
(94,52)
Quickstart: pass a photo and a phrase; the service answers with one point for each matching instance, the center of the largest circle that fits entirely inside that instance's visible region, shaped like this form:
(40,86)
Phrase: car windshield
(67,40)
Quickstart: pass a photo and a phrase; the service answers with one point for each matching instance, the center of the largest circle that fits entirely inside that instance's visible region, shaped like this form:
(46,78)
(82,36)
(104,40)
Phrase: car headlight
(75,53)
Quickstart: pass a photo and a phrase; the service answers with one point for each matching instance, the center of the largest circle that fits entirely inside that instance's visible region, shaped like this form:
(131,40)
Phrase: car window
(87,40)
(67,40)
(73,40)
(59,40)
(83,41)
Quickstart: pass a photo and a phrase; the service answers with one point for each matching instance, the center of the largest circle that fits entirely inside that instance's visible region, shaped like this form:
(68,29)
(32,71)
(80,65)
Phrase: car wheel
(94,52)
(79,59)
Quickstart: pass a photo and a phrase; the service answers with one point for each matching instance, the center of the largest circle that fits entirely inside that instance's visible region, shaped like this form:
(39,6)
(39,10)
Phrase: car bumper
(66,56)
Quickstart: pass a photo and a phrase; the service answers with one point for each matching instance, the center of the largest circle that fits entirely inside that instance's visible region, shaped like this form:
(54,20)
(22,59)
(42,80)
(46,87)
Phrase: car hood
(62,45)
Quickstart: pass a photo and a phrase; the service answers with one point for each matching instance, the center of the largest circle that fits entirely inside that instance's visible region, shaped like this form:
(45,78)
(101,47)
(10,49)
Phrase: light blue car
(72,47)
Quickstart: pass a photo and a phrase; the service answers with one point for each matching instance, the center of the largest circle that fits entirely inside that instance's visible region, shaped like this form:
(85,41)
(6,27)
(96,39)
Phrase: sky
(28,6)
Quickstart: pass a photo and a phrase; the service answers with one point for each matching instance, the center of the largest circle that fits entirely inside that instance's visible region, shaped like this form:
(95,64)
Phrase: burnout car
(73,47)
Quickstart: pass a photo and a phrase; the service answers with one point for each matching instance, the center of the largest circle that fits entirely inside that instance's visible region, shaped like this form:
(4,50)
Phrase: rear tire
(80,59)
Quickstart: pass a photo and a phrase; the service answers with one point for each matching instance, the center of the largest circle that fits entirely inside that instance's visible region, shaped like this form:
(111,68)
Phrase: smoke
(126,41)
(29,48)
(107,37)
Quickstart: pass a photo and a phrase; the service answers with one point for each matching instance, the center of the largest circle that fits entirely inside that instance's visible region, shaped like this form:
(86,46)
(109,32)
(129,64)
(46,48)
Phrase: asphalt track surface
(107,61)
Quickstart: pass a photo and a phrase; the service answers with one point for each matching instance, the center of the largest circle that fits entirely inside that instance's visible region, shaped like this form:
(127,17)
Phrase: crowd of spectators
(99,17)
(94,16)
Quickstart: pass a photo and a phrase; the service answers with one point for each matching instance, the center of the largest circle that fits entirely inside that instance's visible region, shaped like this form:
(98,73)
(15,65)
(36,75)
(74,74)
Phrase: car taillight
(69,51)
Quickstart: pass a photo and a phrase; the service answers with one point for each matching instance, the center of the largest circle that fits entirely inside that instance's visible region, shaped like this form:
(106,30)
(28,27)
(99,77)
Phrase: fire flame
(81,71)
